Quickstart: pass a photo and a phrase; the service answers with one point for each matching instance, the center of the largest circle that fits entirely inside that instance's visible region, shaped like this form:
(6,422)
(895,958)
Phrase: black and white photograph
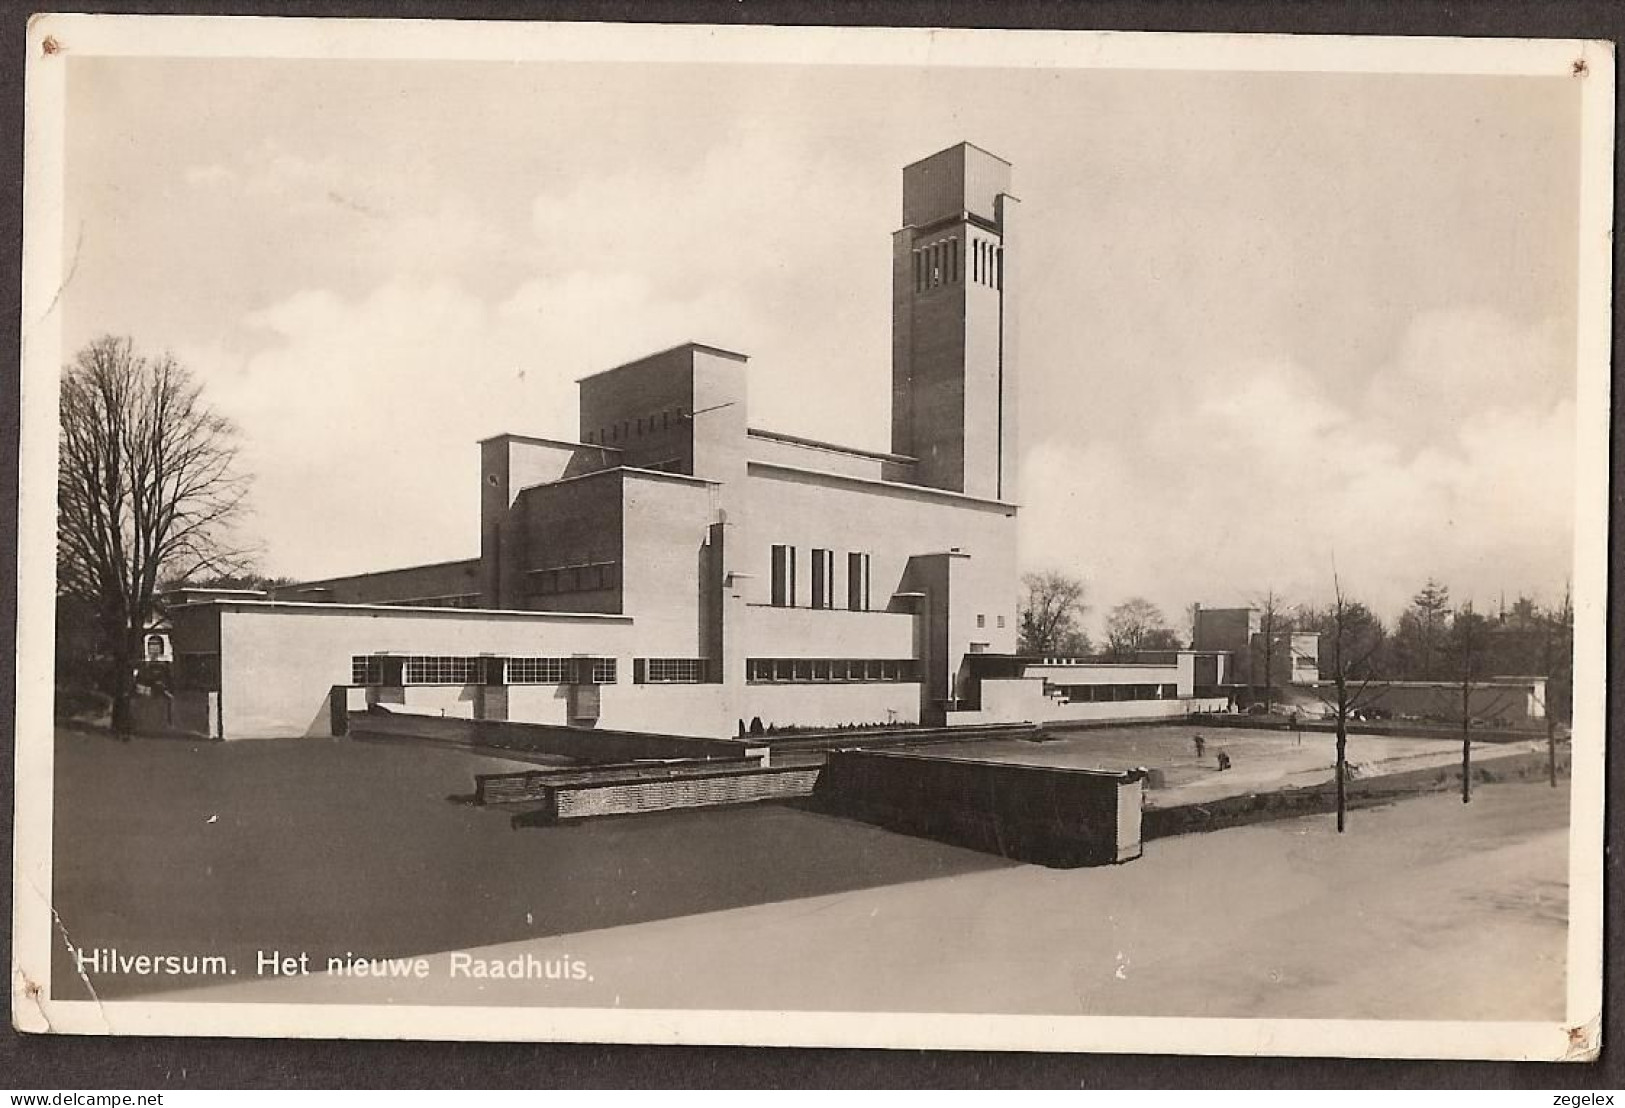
(805,536)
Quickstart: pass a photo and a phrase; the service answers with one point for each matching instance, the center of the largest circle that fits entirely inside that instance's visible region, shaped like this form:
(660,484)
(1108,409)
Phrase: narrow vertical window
(919,270)
(857,582)
(998,269)
(953,262)
(784,588)
(976,261)
(823,578)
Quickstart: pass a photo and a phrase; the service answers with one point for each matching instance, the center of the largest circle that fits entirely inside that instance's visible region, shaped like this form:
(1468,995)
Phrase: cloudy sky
(1270,319)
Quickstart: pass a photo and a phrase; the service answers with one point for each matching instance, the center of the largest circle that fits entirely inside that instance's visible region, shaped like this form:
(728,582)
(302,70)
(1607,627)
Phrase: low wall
(532,786)
(869,738)
(185,712)
(1128,710)
(707,790)
(1361,792)
(587,746)
(1023,699)
(833,704)
(1050,815)
(1397,729)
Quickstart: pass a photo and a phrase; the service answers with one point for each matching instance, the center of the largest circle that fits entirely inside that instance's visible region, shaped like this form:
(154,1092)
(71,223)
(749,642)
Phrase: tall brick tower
(953,334)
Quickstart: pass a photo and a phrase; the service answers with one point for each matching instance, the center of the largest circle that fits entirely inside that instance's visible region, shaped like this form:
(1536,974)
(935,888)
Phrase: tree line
(1455,645)
(1051,615)
(1432,639)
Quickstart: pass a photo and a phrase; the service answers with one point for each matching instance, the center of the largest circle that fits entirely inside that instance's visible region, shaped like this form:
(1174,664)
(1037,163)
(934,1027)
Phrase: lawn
(331,846)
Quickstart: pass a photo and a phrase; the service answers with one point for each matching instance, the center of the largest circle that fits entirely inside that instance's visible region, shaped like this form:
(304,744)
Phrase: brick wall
(580,802)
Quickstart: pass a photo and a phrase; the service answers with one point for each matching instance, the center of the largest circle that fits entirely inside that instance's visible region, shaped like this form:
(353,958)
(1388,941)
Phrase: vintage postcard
(974,539)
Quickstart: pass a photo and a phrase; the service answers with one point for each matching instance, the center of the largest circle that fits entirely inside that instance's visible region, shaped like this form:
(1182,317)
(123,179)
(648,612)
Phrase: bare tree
(1557,661)
(147,489)
(1467,648)
(1356,638)
(1050,615)
(1135,625)
(1272,621)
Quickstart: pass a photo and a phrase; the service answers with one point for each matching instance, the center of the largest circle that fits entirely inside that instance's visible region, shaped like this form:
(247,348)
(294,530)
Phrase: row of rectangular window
(1100,694)
(669,671)
(441,669)
(831,669)
(987,263)
(938,264)
(568,579)
(626,428)
(783,592)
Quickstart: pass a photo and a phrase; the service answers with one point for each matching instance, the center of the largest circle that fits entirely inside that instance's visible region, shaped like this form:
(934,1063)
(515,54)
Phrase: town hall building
(676,569)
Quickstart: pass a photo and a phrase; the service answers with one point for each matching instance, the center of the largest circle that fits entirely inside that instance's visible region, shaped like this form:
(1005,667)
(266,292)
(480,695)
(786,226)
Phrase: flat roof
(700,346)
(314,581)
(636,471)
(896,487)
(209,588)
(836,448)
(958,146)
(1452,686)
(413,609)
(542,440)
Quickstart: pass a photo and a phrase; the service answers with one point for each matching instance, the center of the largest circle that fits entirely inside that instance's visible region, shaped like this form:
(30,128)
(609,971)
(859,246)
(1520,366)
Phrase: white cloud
(1259,479)
(1455,363)
(360,417)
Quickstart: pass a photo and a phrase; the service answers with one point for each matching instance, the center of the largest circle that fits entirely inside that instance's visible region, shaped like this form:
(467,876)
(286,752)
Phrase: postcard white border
(53,38)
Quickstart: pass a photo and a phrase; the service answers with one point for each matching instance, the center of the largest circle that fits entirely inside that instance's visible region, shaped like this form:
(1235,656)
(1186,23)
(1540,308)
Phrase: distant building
(1491,702)
(1291,657)
(676,569)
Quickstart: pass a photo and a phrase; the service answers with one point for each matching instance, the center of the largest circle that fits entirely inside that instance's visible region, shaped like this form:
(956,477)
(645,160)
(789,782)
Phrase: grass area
(330,846)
